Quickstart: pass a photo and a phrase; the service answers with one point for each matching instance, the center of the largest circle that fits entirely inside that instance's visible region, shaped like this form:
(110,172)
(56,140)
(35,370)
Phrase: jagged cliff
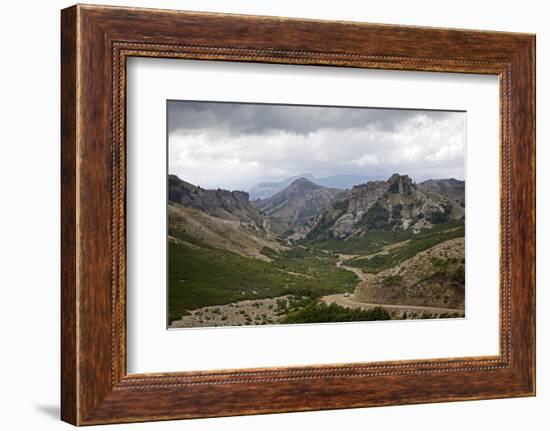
(397,203)
(365,195)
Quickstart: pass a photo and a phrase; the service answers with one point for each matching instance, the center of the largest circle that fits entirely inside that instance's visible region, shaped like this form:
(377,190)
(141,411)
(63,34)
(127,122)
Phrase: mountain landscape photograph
(299,214)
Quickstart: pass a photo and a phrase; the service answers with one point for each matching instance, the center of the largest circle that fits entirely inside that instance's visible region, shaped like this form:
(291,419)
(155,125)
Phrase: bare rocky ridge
(397,203)
(224,204)
(363,196)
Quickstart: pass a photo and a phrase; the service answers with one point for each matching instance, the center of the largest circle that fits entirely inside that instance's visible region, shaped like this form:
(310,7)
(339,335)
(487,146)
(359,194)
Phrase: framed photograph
(255,240)
(263,214)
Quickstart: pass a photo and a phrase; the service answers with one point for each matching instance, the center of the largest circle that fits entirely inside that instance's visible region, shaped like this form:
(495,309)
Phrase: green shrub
(319,312)
(218,277)
(421,242)
(376,217)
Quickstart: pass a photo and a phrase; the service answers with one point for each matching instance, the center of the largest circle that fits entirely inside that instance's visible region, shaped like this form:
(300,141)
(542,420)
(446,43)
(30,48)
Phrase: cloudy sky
(234,146)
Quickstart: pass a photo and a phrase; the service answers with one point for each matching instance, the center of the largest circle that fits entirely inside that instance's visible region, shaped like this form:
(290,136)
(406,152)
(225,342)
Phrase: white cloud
(365,160)
(423,145)
(454,149)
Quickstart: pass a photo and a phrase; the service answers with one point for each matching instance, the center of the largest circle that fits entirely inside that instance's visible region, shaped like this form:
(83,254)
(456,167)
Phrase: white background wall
(29,215)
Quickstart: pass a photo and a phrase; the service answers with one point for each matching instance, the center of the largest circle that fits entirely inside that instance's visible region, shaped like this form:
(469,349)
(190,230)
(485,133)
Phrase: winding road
(348,301)
(340,264)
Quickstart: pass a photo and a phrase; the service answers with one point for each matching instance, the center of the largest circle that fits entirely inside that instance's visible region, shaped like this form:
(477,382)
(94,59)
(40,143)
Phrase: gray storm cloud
(234,145)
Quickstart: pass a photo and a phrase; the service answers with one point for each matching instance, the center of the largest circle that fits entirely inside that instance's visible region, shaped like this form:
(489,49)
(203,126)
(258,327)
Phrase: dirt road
(346,300)
(340,264)
(349,302)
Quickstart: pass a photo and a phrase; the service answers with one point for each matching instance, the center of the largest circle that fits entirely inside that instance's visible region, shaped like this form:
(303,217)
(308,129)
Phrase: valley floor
(211,287)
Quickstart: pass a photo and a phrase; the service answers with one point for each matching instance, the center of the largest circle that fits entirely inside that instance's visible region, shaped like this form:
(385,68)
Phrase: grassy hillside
(375,240)
(410,248)
(202,276)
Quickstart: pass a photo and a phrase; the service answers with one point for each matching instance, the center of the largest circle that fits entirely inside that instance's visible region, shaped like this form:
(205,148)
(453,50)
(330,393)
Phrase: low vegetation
(451,268)
(397,255)
(375,240)
(200,276)
(319,312)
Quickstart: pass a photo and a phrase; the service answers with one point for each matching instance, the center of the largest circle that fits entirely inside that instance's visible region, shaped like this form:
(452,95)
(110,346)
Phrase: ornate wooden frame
(95,42)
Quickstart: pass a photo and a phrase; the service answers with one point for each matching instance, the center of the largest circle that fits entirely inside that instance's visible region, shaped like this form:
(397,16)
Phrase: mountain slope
(395,204)
(434,277)
(298,202)
(268,189)
(192,226)
(224,204)
(454,189)
(220,219)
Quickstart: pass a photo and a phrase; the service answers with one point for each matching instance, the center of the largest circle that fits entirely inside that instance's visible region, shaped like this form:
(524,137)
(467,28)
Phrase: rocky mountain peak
(395,204)
(303,183)
(298,202)
(363,196)
(400,184)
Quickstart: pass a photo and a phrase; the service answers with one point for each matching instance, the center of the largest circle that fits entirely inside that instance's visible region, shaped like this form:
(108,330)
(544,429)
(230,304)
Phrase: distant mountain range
(304,209)
(268,189)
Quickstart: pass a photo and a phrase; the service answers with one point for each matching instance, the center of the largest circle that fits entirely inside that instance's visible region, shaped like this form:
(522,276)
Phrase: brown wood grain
(69,367)
(96,41)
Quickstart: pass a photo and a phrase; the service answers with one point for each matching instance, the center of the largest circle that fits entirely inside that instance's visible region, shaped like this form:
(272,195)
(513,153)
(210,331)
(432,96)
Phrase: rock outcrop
(363,196)
(397,203)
